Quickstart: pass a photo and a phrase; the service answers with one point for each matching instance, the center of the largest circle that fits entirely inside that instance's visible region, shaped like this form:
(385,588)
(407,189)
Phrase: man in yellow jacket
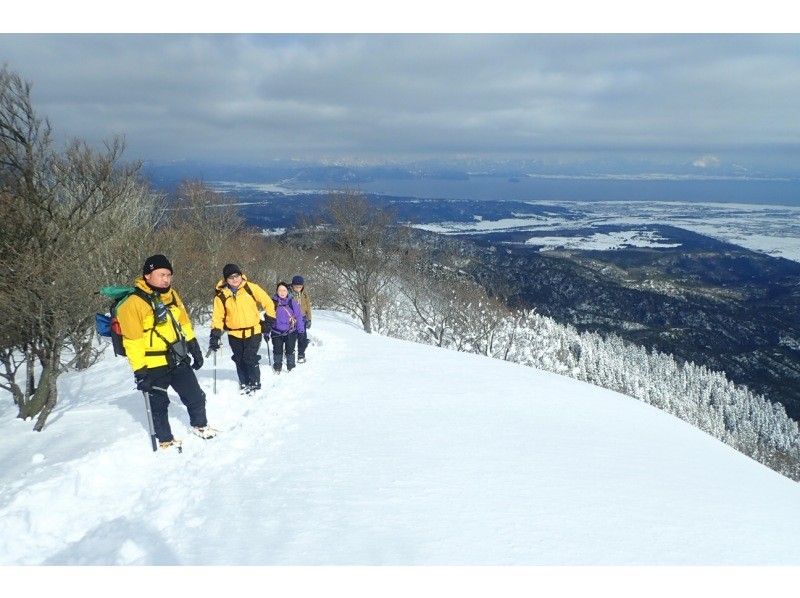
(236,304)
(159,340)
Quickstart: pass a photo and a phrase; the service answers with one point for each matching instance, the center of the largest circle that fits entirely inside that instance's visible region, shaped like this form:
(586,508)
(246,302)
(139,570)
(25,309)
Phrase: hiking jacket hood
(238,314)
(146,343)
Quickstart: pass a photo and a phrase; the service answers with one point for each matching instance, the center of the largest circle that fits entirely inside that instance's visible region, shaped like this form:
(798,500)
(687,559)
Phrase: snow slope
(379,451)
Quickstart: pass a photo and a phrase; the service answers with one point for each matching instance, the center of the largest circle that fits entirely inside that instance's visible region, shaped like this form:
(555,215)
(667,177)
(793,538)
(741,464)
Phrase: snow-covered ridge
(380,451)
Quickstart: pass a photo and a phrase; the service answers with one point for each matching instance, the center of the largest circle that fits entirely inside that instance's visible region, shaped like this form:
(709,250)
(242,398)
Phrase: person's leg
(291,339)
(159,403)
(277,352)
(185,384)
(302,344)
(251,359)
(238,350)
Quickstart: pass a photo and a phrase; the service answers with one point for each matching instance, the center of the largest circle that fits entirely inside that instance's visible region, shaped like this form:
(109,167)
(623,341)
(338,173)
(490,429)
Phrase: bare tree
(364,252)
(57,199)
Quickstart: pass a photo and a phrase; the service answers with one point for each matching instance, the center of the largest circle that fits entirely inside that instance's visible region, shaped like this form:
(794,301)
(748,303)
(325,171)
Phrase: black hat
(154,262)
(298,279)
(230,270)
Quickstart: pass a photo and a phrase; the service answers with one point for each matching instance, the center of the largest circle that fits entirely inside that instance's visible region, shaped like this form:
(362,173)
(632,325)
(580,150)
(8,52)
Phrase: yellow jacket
(238,314)
(146,345)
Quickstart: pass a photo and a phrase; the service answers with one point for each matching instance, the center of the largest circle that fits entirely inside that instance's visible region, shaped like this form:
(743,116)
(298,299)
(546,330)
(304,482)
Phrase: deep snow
(380,451)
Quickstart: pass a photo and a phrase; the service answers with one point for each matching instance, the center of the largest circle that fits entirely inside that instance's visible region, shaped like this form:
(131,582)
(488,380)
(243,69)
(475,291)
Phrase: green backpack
(107,324)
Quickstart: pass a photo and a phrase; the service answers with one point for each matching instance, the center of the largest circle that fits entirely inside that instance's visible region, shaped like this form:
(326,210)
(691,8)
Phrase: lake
(767,192)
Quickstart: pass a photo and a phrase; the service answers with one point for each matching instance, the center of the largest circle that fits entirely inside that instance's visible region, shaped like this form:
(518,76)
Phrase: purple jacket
(286,310)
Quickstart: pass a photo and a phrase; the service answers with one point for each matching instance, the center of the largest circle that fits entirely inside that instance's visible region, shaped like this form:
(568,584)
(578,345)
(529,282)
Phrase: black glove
(213,342)
(307,323)
(143,380)
(197,354)
(266,326)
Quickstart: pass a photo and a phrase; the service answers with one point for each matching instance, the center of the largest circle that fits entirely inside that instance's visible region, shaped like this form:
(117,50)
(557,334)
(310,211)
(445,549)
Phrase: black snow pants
(246,358)
(302,343)
(281,344)
(184,382)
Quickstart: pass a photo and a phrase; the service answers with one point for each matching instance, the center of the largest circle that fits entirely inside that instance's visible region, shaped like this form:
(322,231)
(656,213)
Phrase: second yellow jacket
(238,314)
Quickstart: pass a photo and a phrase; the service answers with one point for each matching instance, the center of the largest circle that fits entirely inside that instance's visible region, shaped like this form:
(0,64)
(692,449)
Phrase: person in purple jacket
(288,323)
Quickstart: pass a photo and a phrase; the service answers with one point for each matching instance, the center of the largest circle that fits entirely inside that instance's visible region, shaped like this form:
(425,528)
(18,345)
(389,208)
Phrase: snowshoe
(205,432)
(168,444)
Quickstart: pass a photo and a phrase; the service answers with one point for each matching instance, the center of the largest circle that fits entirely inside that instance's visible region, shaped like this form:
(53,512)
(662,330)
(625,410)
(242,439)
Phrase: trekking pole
(150,421)
(150,417)
(267,338)
(210,351)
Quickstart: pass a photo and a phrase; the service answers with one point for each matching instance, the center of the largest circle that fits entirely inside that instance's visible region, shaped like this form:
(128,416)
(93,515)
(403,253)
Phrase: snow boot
(301,359)
(205,432)
(174,443)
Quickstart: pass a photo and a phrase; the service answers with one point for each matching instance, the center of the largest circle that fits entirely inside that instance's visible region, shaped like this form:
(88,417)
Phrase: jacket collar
(141,283)
(222,285)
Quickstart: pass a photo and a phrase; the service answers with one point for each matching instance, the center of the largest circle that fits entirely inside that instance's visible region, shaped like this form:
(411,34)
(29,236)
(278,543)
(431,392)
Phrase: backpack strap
(149,298)
(292,319)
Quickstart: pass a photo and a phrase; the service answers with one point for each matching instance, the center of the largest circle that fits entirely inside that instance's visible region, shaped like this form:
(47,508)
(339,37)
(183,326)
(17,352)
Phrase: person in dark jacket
(288,323)
(301,296)
(236,310)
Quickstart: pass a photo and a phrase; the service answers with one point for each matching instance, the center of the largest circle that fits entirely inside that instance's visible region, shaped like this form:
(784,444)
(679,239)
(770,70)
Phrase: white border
(362,16)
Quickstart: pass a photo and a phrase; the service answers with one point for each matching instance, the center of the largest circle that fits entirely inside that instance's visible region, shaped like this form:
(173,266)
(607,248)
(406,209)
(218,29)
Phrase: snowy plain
(384,452)
(774,230)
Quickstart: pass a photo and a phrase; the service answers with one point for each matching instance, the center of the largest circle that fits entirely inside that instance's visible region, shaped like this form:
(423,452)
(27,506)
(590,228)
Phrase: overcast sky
(707,100)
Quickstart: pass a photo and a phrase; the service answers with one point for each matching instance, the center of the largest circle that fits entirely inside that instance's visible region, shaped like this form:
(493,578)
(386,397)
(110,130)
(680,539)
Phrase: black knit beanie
(230,270)
(154,262)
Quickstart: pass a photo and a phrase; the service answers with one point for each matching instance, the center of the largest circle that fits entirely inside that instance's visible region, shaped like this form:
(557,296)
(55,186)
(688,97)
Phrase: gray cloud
(253,98)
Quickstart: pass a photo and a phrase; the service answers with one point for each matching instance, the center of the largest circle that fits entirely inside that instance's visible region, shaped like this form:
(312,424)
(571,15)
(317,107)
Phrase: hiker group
(287,315)
(157,337)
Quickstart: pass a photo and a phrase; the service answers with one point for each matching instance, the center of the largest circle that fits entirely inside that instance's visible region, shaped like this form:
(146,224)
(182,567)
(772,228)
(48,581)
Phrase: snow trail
(380,451)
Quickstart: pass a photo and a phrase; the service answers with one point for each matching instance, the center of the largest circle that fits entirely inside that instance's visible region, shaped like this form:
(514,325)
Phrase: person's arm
(298,314)
(131,321)
(265,301)
(308,304)
(217,313)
